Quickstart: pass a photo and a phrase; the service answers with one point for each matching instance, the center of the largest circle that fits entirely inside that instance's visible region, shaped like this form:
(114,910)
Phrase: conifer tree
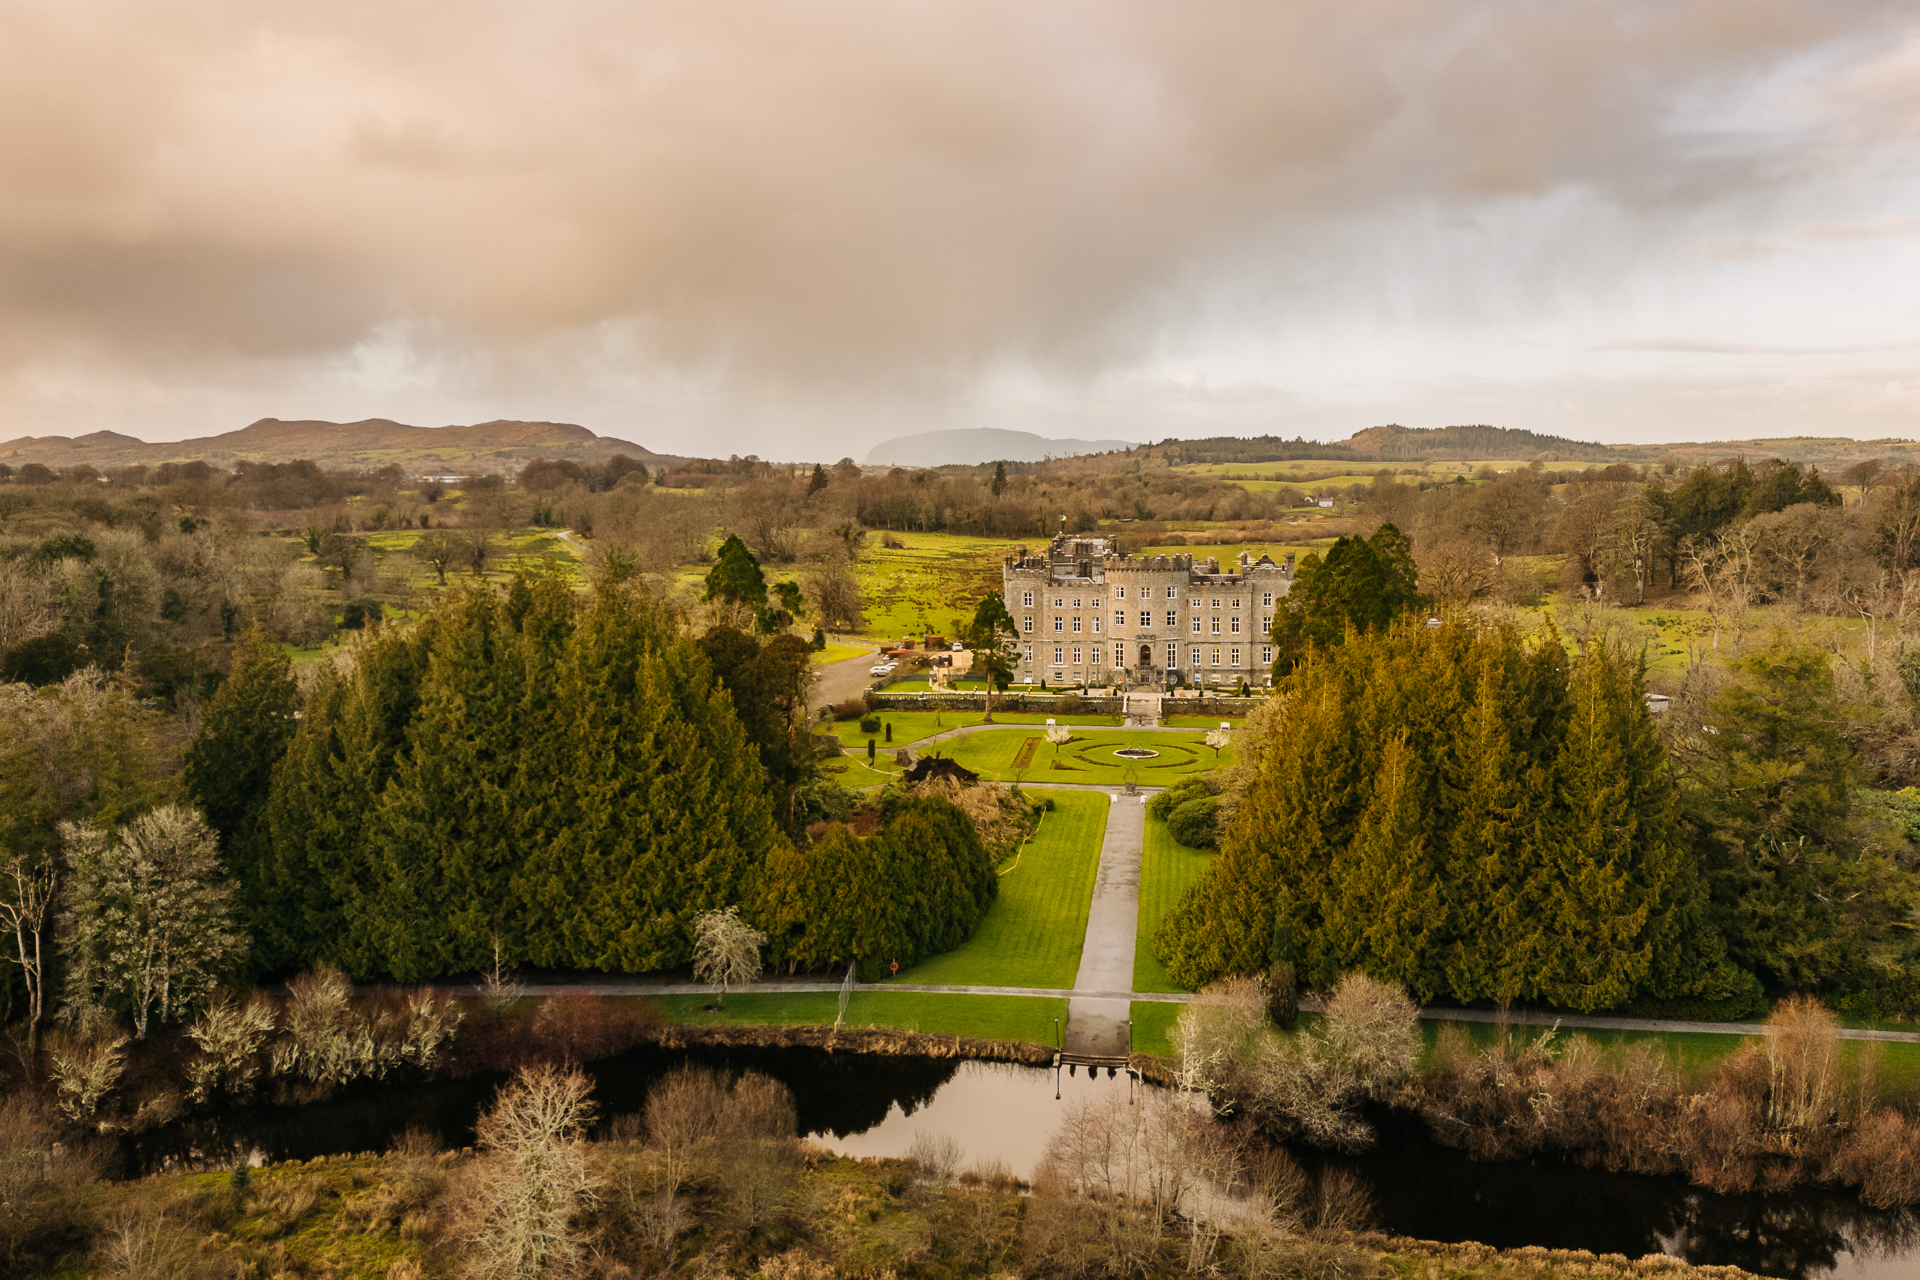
(325,798)
(736,576)
(666,810)
(229,769)
(1387,918)
(447,836)
(1463,812)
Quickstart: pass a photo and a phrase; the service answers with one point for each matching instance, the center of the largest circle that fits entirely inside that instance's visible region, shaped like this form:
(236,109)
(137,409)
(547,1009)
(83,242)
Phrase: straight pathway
(1101,1003)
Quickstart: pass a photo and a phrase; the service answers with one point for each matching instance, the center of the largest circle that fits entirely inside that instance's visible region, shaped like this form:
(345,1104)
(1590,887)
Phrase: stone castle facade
(1089,615)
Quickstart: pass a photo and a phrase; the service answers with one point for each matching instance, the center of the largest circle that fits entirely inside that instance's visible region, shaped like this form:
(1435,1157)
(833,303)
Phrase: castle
(1089,615)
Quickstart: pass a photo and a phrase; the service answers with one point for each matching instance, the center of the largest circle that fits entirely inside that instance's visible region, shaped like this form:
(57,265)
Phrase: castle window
(1173,593)
(1173,619)
(1119,617)
(1076,655)
(1119,593)
(1027,624)
(1216,602)
(1056,655)
(1146,617)
(1076,602)
(1216,657)
(1236,657)
(1059,625)
(1026,599)
(1173,656)
(1236,624)
(1119,655)
(1058,602)
(1096,624)
(1266,600)
(1266,622)
(1266,656)
(1076,625)
(1216,625)
(1193,654)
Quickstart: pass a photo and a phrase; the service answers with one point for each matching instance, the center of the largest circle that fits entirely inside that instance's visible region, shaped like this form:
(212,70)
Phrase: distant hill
(973,446)
(487,446)
(1473,443)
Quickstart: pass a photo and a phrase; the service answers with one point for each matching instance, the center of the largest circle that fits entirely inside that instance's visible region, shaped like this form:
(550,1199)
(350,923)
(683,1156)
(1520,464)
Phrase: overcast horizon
(802,231)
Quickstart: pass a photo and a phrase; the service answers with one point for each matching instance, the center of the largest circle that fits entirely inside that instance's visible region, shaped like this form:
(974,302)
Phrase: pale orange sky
(798,229)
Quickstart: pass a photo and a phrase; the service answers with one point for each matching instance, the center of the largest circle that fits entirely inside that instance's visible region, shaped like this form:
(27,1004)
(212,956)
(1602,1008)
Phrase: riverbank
(773,1210)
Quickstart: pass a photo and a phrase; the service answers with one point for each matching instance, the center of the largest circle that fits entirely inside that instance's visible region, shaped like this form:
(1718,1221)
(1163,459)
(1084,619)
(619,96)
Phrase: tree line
(1455,810)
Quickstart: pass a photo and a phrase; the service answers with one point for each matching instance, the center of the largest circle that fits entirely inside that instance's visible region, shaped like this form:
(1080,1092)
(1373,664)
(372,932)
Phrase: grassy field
(911,726)
(1167,867)
(931,583)
(837,653)
(1034,931)
(1019,1018)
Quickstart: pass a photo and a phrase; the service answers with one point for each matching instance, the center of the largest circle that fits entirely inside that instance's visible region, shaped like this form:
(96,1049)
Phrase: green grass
(1201,722)
(1167,867)
(1033,933)
(1087,759)
(837,653)
(1153,1026)
(1022,1018)
(912,726)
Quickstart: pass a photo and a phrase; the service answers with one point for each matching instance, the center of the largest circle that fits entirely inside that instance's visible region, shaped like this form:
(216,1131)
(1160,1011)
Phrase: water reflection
(1432,1192)
(876,1106)
(835,1095)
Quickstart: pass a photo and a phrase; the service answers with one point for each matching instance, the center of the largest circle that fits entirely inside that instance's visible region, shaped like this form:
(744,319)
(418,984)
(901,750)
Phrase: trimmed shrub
(1176,795)
(869,724)
(1191,822)
(850,709)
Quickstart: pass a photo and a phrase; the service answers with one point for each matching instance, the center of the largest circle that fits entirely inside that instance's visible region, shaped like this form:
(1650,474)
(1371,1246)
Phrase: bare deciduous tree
(439,549)
(24,911)
(534,1180)
(500,986)
(726,950)
(836,595)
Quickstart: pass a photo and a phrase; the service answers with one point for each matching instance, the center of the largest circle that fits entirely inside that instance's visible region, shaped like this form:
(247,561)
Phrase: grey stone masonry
(1088,615)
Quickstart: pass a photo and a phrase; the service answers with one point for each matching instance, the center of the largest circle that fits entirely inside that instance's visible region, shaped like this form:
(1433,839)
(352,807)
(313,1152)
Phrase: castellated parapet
(1089,615)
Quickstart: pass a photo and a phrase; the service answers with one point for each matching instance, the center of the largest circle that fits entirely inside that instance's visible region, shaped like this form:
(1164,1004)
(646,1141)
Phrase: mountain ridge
(498,445)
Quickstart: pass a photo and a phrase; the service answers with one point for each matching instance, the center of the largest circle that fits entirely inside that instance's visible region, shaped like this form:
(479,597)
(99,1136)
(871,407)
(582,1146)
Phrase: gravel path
(1099,1008)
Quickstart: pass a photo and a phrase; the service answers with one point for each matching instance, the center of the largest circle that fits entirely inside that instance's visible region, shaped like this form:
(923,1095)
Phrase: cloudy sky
(800,228)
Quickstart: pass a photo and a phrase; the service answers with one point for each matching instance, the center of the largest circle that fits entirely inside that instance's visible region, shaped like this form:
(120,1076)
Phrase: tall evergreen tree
(736,576)
(1462,813)
(229,769)
(447,839)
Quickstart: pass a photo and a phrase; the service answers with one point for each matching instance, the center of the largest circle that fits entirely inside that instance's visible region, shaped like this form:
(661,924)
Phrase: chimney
(1289,564)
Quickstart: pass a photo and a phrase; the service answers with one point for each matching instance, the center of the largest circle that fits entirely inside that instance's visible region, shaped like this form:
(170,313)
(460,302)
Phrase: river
(862,1105)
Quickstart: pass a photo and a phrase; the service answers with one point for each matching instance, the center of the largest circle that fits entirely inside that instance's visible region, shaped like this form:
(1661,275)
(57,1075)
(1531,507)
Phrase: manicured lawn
(1203,722)
(837,653)
(1088,758)
(1153,1027)
(1027,1018)
(1167,867)
(1035,929)
(911,726)
(852,771)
